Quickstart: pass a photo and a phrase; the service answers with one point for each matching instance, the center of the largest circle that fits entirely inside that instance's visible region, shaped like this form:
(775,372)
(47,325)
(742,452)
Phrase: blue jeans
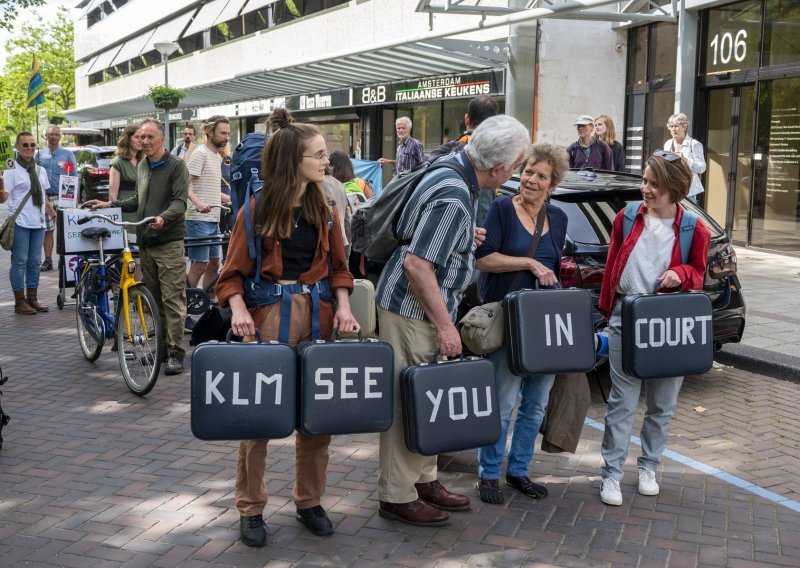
(203,229)
(535,392)
(26,257)
(661,396)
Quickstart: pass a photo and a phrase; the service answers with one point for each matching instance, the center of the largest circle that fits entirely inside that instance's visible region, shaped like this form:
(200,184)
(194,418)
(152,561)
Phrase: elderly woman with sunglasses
(687,148)
(649,254)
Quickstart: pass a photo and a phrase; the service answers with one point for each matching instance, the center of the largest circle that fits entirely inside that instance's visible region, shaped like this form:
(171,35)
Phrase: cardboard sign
(6,153)
(67,192)
(71,237)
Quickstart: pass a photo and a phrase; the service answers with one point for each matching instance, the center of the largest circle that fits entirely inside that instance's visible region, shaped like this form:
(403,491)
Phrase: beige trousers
(413,341)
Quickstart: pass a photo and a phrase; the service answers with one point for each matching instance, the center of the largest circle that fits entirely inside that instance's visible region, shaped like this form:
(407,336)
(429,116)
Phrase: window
(781,43)
(732,37)
(637,55)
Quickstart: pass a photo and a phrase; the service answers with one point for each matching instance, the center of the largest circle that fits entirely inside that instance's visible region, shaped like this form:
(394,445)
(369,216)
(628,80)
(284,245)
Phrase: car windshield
(104,158)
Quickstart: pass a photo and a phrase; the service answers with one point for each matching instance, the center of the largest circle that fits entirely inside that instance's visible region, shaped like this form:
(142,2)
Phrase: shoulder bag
(482,328)
(7,231)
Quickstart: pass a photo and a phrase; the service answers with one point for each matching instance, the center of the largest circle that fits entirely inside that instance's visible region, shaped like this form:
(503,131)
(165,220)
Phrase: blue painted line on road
(714,472)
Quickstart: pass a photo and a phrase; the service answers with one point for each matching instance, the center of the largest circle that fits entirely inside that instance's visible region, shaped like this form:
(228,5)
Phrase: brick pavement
(91,475)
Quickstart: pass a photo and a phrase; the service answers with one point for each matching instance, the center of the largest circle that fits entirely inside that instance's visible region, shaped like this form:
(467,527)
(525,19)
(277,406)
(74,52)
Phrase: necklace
(525,208)
(297,219)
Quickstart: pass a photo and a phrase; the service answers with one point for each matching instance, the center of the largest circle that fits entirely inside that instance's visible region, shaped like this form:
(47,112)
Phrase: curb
(761,361)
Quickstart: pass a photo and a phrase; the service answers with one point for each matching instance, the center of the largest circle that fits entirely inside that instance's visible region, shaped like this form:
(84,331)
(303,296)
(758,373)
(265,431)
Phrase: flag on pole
(36,85)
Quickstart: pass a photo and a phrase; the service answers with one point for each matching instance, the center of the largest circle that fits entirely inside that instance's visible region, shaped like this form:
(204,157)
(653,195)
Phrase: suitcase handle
(230,334)
(336,332)
(436,361)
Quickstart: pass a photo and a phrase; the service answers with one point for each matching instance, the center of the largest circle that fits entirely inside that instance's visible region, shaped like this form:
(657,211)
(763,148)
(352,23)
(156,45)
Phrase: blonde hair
(611,133)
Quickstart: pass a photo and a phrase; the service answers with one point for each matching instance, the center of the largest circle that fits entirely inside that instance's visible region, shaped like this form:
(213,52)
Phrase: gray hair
(404,119)
(500,139)
(680,119)
(158,123)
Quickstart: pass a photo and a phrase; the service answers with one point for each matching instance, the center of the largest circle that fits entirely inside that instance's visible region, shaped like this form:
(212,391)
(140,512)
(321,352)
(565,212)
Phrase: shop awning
(171,30)
(134,47)
(420,59)
(206,16)
(103,60)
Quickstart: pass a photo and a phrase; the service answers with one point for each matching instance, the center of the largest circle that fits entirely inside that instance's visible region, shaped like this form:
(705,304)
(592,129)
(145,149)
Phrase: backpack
(685,231)
(373,228)
(245,165)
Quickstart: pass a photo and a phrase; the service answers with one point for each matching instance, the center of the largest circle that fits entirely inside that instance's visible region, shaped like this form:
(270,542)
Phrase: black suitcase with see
(243,391)
(346,387)
(549,331)
(449,406)
(667,335)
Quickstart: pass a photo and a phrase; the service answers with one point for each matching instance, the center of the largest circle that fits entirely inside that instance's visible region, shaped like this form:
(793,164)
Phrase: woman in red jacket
(650,253)
(302,249)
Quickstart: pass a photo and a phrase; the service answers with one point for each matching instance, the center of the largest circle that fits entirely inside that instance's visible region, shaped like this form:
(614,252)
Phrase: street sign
(43,114)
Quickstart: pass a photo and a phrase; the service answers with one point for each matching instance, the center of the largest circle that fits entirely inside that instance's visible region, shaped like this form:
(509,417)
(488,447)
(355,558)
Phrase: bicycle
(198,299)
(135,324)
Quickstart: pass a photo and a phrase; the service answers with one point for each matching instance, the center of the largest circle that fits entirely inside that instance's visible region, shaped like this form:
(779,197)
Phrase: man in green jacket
(161,191)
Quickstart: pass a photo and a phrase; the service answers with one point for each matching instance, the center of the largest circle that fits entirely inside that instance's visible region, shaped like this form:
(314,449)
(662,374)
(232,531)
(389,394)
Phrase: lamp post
(55,89)
(9,104)
(166,48)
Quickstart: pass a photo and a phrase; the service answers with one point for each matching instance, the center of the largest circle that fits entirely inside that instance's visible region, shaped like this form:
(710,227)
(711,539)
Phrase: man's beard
(218,144)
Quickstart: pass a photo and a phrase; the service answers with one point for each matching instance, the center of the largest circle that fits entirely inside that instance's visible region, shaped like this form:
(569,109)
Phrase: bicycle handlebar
(145,221)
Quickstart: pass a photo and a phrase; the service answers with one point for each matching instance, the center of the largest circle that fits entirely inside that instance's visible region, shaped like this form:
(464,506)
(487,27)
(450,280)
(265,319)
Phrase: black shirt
(298,250)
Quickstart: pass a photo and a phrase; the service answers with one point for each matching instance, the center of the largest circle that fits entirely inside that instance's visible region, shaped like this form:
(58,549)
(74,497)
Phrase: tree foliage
(9,9)
(52,44)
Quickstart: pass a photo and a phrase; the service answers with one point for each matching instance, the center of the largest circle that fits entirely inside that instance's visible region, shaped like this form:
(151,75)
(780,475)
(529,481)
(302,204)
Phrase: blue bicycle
(135,324)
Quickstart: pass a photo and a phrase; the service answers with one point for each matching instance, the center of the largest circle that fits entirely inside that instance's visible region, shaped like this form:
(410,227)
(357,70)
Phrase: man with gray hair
(409,151)
(418,294)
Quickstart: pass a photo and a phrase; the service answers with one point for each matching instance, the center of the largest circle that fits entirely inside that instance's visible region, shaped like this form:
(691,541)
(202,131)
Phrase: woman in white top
(687,148)
(26,253)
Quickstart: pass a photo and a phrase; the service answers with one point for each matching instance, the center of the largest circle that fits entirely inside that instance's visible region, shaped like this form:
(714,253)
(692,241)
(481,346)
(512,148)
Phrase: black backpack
(245,166)
(4,418)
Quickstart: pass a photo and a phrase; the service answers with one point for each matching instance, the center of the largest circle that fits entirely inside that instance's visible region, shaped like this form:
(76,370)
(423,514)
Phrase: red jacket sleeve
(608,287)
(340,276)
(692,274)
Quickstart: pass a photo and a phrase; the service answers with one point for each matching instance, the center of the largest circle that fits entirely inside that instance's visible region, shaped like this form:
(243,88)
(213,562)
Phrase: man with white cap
(587,152)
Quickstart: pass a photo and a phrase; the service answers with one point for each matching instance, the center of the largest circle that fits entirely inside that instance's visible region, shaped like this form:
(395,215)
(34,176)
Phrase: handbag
(482,328)
(7,231)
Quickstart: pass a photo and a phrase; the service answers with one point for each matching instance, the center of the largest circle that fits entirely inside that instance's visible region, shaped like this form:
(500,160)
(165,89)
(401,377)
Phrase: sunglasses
(668,156)
(28,144)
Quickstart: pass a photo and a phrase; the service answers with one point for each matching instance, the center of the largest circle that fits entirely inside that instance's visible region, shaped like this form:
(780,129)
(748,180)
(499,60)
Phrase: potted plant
(165,97)
(56,118)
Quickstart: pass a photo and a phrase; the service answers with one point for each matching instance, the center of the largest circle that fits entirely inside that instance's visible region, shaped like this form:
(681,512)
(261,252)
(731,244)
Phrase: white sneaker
(647,482)
(610,493)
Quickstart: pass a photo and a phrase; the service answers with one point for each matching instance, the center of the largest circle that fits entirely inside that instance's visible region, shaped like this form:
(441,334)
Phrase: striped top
(409,155)
(439,222)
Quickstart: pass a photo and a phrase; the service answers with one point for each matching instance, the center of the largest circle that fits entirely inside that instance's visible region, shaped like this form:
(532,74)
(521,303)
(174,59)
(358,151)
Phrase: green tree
(52,44)
(9,9)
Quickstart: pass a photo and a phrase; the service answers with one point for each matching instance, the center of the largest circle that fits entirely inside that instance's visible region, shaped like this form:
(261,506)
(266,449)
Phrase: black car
(94,163)
(591,201)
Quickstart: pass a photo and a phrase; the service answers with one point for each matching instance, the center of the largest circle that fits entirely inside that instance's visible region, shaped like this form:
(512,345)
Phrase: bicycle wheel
(140,352)
(91,329)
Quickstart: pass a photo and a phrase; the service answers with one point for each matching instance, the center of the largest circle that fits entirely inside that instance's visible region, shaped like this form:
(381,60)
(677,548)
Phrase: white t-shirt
(207,166)
(18,184)
(649,258)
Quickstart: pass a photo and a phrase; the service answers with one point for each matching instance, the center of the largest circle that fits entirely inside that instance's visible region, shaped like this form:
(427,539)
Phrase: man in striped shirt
(418,295)
(409,151)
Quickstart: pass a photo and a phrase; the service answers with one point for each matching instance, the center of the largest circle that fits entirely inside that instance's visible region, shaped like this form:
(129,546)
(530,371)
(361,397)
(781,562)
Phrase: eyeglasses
(321,156)
(668,156)
(28,144)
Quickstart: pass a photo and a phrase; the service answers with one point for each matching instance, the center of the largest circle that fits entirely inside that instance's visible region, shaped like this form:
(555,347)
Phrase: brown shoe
(33,301)
(434,493)
(414,513)
(21,306)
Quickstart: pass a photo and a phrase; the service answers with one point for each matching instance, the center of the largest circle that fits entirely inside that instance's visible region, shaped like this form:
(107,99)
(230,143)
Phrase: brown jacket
(329,260)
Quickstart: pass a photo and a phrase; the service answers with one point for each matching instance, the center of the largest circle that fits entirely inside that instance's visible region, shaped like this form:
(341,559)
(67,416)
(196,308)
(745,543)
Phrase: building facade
(353,66)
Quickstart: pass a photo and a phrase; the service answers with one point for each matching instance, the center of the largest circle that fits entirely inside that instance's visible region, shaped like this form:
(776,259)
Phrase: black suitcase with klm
(549,331)
(667,335)
(346,387)
(449,406)
(243,391)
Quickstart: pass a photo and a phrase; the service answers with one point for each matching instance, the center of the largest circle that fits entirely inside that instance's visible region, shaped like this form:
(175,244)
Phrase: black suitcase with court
(449,406)
(667,335)
(243,390)
(549,331)
(346,386)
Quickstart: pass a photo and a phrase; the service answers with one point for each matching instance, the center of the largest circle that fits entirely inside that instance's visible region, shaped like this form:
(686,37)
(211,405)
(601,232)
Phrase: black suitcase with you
(667,335)
(449,406)
(243,391)
(346,386)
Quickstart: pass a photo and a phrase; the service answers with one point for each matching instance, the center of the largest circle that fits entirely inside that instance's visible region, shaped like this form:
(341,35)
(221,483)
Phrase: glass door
(729,152)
